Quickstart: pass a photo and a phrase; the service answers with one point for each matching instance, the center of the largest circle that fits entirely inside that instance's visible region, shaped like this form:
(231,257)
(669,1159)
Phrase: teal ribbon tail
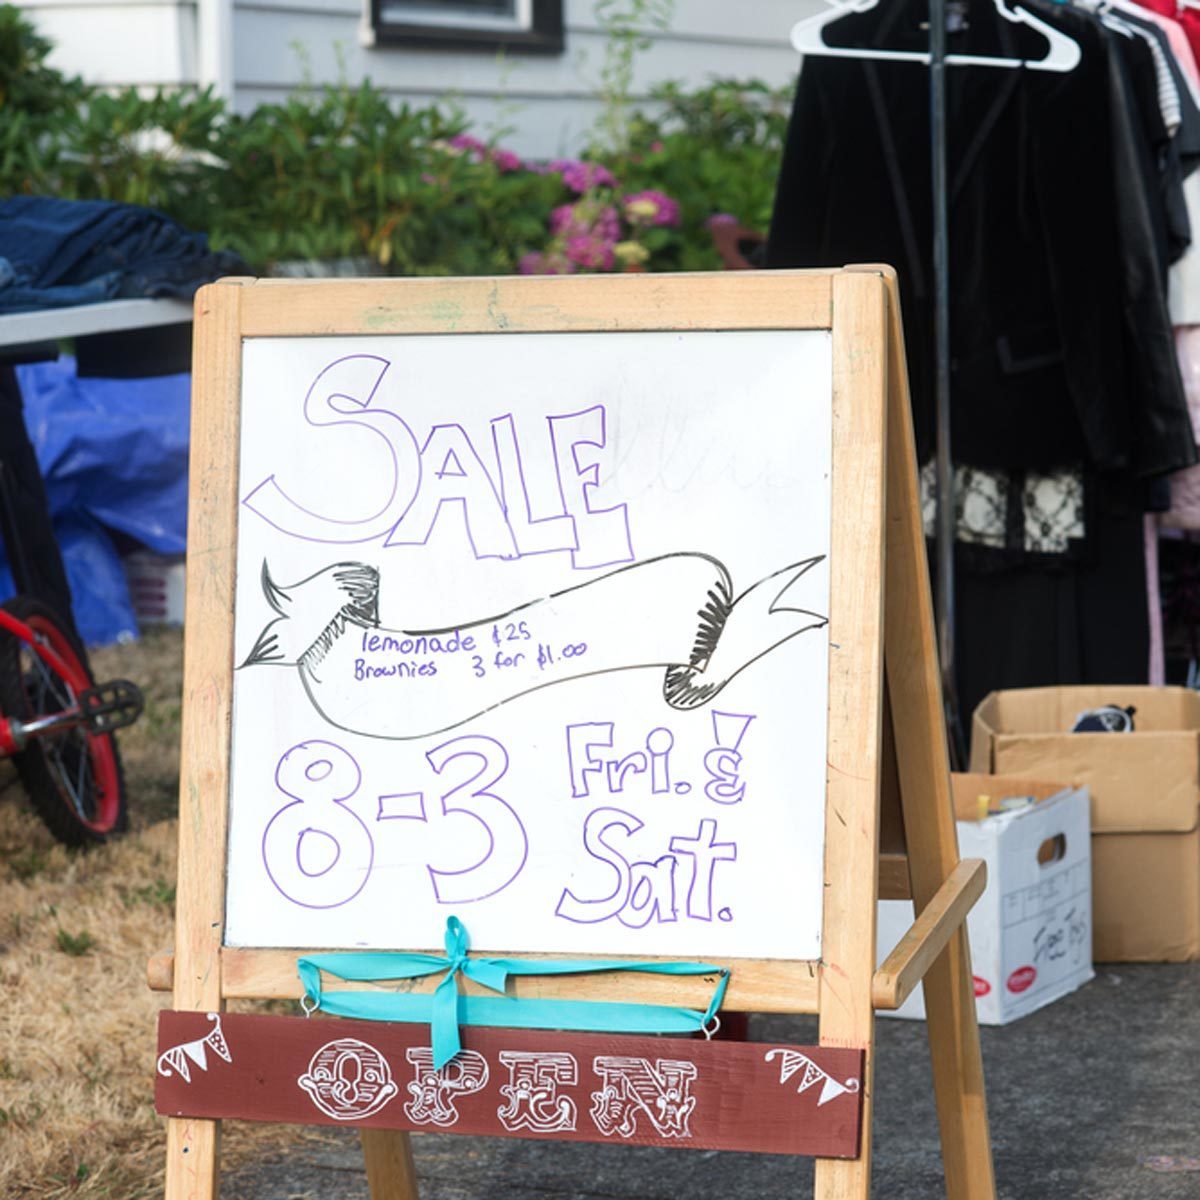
(446,1009)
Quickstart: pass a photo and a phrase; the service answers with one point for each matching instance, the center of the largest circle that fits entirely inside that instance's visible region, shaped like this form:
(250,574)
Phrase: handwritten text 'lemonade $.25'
(529,500)
(319,852)
(491,648)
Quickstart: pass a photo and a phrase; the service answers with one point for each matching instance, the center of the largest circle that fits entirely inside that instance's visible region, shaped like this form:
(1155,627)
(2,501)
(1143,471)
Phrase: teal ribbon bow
(446,1008)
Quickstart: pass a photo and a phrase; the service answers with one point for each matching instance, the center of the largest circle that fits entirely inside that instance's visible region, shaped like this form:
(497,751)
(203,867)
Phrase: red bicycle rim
(99,746)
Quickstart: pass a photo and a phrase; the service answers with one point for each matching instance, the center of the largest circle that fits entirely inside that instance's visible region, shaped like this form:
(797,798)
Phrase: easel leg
(192,1159)
(856,636)
(958,1075)
(850,1178)
(918,723)
(391,1174)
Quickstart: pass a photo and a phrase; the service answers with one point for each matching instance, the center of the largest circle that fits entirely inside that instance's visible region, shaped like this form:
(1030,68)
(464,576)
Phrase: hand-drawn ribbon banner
(647,1091)
(677,614)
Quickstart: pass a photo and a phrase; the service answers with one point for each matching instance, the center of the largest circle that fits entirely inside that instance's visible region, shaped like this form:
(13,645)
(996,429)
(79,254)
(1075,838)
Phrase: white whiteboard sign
(531,629)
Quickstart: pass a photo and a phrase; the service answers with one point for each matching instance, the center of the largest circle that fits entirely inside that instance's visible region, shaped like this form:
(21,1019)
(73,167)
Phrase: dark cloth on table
(55,253)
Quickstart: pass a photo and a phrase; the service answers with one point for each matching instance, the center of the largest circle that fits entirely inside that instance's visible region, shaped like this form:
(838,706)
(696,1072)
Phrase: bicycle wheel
(73,779)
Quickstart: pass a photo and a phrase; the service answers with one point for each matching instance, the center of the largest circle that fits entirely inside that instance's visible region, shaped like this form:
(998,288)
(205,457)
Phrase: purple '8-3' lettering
(316,850)
(508,845)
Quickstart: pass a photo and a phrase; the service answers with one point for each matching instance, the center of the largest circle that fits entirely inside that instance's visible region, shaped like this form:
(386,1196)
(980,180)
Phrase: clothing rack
(1063,55)
(944,463)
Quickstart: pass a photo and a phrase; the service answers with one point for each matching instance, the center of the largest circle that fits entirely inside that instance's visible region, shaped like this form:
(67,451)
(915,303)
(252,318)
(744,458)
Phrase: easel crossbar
(916,951)
(756,985)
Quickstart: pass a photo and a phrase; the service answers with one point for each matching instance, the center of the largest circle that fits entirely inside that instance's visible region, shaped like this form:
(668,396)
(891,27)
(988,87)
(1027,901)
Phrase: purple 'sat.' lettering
(635,890)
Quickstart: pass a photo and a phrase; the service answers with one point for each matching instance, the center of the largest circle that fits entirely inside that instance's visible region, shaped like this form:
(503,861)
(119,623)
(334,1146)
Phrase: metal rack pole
(944,463)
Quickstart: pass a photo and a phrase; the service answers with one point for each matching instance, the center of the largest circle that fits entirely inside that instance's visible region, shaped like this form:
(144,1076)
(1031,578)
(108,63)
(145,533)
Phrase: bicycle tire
(74,780)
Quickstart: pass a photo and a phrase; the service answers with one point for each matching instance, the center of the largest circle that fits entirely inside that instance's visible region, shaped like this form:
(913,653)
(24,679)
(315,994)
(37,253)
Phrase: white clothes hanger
(1063,53)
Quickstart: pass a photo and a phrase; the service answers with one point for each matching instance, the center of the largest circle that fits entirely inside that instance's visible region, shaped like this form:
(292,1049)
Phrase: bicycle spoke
(72,775)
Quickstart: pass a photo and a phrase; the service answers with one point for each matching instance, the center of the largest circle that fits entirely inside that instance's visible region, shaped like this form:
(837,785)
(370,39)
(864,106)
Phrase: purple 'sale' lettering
(533,535)
(602,534)
(398,490)
(451,473)
(384,467)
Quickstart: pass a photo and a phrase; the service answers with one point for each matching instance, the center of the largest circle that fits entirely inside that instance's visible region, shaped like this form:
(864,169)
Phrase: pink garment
(1156,673)
(1187,18)
(1185,485)
(1184,512)
(1180,46)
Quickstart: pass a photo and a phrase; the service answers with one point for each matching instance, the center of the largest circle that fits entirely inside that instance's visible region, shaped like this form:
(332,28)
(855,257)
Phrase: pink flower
(583,219)
(590,252)
(464,141)
(581,176)
(506,160)
(563,218)
(656,147)
(608,224)
(537,263)
(651,208)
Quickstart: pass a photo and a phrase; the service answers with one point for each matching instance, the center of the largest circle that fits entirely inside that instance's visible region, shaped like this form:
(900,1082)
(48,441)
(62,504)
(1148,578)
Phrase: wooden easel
(890,829)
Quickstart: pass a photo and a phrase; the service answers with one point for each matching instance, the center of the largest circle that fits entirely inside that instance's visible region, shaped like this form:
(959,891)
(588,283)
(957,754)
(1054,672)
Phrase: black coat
(1061,343)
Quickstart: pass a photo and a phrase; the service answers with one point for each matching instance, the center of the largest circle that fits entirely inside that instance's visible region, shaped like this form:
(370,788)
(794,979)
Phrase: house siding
(547,102)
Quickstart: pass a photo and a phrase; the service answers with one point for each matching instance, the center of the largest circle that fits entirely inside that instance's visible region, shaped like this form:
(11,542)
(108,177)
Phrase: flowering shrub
(340,172)
(650,208)
(601,230)
(707,157)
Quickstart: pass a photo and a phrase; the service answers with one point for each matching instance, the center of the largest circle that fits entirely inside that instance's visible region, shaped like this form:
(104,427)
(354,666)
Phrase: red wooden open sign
(647,1091)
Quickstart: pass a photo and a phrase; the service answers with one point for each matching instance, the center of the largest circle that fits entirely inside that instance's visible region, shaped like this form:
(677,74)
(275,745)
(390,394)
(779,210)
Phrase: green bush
(716,150)
(35,101)
(340,172)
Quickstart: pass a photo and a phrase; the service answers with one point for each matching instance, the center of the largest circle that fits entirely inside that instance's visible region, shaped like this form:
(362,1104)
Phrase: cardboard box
(1145,789)
(1030,931)
(156,587)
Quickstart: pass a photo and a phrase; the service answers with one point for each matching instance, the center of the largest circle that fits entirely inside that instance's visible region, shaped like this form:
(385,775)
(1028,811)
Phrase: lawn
(77,1022)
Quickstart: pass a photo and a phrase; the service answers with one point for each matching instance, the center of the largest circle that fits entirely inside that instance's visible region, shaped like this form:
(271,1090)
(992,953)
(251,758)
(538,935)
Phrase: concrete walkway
(1095,1098)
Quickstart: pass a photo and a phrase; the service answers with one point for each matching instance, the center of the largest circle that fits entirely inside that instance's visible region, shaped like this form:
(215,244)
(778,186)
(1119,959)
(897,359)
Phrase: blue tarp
(113,453)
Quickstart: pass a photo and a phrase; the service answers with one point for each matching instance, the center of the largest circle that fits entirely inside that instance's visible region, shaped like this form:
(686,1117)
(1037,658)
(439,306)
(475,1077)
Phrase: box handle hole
(1052,850)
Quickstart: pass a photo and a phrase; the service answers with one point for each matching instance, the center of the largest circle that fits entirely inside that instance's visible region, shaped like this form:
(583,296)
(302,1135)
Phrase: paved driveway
(1095,1098)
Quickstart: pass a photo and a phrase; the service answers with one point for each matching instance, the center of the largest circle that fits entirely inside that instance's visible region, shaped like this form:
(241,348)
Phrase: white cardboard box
(1031,930)
(156,586)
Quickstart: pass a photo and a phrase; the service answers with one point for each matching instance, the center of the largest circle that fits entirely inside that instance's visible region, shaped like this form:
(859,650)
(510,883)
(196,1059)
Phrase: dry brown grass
(77,1022)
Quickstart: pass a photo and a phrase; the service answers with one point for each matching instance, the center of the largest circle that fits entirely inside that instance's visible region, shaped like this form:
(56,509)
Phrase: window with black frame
(521,25)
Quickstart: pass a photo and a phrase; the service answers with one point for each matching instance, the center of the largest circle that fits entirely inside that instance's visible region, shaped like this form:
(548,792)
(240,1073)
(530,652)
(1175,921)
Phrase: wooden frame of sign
(890,828)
